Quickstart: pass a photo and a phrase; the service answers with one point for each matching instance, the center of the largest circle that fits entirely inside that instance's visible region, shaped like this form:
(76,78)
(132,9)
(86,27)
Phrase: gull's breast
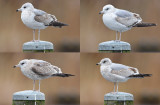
(112,77)
(110,22)
(30,74)
(28,19)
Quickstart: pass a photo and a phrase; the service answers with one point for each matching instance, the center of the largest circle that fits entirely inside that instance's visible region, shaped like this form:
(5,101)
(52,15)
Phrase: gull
(39,69)
(37,19)
(116,73)
(121,20)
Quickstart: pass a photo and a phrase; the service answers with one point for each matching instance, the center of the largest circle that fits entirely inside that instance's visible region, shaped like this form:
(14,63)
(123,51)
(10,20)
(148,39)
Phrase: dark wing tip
(148,75)
(63,75)
(140,75)
(145,25)
(67,75)
(57,24)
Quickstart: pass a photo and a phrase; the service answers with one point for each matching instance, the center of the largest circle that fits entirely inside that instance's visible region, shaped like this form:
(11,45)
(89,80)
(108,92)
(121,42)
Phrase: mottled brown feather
(46,19)
(129,21)
(125,72)
(44,69)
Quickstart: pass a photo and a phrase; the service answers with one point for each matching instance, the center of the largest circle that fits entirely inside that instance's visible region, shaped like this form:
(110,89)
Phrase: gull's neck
(27,10)
(113,10)
(105,68)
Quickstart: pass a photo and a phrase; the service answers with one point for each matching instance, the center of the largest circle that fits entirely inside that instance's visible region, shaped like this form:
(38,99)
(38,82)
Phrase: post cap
(28,95)
(37,45)
(114,46)
(120,96)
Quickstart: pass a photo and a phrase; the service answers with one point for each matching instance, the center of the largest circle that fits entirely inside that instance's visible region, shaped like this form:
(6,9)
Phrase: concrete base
(118,98)
(38,46)
(114,46)
(28,97)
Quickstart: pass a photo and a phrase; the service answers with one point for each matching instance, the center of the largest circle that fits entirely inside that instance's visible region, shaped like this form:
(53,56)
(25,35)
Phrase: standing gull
(121,20)
(116,73)
(37,19)
(39,69)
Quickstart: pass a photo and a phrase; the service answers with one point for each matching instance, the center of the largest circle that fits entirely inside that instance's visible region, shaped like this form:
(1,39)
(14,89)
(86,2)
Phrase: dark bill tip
(100,13)
(14,66)
(97,64)
(17,10)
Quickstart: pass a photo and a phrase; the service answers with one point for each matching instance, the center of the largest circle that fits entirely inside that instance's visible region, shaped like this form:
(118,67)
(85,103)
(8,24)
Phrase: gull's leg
(39,35)
(120,37)
(114,86)
(39,85)
(33,35)
(117,87)
(116,35)
(33,85)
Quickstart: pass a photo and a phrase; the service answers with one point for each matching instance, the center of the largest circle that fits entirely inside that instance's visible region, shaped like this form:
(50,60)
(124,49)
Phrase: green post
(38,46)
(118,98)
(28,97)
(114,46)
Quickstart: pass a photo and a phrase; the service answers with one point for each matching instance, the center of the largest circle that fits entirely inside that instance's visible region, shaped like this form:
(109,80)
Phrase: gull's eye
(24,7)
(22,63)
(104,61)
(107,8)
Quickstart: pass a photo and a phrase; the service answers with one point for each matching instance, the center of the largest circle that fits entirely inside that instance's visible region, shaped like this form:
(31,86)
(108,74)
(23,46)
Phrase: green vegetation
(112,102)
(114,51)
(28,102)
(49,50)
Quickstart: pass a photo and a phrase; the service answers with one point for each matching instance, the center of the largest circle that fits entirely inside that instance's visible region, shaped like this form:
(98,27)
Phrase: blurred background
(57,90)
(93,31)
(13,33)
(93,86)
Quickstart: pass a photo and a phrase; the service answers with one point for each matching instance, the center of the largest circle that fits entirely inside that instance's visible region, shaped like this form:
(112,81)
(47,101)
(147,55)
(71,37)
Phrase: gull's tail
(139,75)
(57,24)
(144,25)
(62,75)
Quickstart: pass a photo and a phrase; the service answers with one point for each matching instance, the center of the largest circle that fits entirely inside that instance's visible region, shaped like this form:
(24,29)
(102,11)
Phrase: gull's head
(22,63)
(26,6)
(107,9)
(105,62)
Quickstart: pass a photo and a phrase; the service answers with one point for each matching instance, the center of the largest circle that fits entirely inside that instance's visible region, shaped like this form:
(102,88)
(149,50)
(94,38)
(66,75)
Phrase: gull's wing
(39,12)
(116,66)
(123,13)
(127,18)
(43,68)
(43,17)
(125,72)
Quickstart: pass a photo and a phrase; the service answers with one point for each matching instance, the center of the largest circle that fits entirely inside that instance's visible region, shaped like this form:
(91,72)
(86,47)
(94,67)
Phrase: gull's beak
(98,64)
(101,12)
(15,66)
(18,10)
